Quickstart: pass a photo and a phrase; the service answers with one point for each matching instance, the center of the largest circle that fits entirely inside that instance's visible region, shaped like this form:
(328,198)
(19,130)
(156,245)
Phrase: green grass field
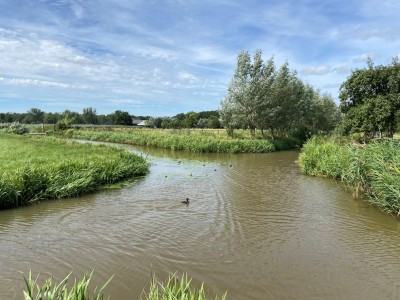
(36,168)
(187,140)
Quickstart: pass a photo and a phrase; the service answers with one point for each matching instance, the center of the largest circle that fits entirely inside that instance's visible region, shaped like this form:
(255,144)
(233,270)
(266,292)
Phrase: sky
(165,57)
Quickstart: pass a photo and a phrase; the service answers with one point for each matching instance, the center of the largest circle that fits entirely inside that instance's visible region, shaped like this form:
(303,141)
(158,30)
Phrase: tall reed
(373,169)
(50,290)
(175,288)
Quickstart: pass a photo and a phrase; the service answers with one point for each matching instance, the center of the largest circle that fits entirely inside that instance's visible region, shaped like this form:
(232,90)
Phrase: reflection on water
(254,227)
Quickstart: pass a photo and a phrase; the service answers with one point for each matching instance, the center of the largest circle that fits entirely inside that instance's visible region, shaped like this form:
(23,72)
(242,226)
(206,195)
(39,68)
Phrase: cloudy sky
(163,57)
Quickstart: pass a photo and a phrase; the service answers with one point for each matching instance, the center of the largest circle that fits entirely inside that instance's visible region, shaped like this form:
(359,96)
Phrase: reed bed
(37,168)
(175,288)
(51,290)
(187,140)
(372,170)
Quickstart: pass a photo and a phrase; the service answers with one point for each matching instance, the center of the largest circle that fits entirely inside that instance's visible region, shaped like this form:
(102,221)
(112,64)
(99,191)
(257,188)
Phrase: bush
(17,128)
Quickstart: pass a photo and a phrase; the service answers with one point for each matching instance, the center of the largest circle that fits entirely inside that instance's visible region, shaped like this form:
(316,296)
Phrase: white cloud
(40,83)
(186,76)
(126,101)
(342,70)
(362,58)
(321,70)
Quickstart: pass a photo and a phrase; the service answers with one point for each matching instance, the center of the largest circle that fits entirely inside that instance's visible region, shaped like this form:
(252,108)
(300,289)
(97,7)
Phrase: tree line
(262,97)
(204,119)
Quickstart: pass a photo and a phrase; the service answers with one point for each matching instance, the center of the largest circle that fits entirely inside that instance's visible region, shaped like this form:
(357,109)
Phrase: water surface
(254,226)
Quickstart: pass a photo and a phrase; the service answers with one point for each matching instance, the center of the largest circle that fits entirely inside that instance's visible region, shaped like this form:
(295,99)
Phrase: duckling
(185,201)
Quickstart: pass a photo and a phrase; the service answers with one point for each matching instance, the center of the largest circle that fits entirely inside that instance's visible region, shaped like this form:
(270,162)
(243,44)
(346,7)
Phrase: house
(138,122)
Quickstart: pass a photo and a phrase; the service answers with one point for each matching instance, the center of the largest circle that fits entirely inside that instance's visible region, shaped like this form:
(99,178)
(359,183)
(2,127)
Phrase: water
(255,227)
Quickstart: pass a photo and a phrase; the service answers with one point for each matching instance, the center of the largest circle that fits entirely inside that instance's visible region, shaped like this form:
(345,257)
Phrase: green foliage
(121,118)
(175,289)
(261,97)
(324,157)
(33,169)
(370,100)
(34,116)
(194,141)
(17,128)
(373,169)
(89,115)
(64,123)
(50,290)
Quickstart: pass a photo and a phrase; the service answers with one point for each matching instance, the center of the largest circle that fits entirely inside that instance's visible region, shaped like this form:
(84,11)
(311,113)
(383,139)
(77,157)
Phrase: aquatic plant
(175,288)
(50,290)
(372,170)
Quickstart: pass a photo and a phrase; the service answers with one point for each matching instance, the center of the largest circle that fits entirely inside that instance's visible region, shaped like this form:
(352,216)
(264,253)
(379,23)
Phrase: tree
(227,115)
(261,97)
(51,118)
(89,116)
(34,116)
(190,119)
(370,99)
(121,118)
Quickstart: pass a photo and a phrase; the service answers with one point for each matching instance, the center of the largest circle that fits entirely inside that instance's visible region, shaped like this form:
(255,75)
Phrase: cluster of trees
(370,100)
(204,119)
(262,97)
(88,116)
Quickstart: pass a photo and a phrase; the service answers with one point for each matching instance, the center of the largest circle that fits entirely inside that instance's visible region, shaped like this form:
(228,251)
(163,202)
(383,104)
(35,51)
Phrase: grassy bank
(188,140)
(173,288)
(372,169)
(36,168)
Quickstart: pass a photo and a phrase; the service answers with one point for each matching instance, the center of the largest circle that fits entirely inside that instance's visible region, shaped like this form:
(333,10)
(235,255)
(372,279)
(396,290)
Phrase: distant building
(138,122)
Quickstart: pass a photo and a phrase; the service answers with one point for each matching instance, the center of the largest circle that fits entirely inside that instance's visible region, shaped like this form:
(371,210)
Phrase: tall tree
(89,115)
(121,118)
(34,116)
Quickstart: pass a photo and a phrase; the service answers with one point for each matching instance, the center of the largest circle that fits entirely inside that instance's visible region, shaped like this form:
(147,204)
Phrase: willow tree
(261,97)
(245,98)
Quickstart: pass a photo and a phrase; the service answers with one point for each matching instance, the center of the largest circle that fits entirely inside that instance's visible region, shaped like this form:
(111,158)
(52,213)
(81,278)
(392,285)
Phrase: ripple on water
(257,228)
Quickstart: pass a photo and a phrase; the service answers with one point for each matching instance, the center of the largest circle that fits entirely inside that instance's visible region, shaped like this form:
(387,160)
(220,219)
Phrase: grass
(187,140)
(173,289)
(37,168)
(50,290)
(372,169)
(176,289)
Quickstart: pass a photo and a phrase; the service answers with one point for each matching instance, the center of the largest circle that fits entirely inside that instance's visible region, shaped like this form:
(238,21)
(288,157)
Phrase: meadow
(194,140)
(372,170)
(33,168)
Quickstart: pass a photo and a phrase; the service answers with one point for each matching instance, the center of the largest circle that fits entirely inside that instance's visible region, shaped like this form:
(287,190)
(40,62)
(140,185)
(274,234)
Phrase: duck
(185,201)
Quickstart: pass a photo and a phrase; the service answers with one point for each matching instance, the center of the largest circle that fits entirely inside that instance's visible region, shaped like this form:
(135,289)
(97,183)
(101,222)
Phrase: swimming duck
(186,201)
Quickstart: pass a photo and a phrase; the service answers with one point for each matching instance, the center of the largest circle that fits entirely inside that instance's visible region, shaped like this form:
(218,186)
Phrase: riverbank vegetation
(365,157)
(372,170)
(174,288)
(35,168)
(51,290)
(188,140)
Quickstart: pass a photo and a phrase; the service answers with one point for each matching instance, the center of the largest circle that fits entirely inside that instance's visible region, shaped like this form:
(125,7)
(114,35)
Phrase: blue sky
(161,58)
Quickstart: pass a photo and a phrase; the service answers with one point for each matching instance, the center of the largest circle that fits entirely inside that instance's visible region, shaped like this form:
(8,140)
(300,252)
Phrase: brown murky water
(258,229)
